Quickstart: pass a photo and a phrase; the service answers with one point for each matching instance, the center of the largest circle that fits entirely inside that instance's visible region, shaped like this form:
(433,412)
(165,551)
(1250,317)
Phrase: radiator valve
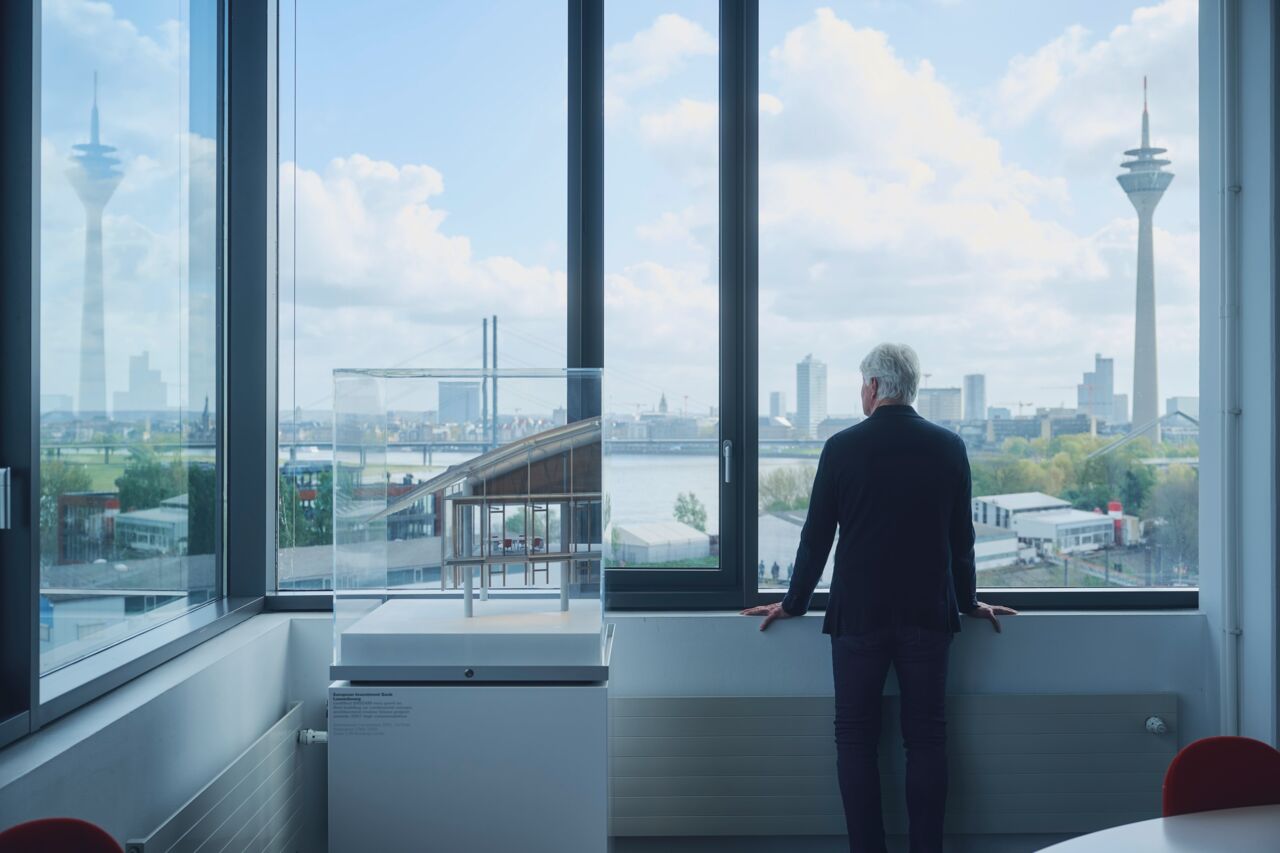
(1157,726)
(306,737)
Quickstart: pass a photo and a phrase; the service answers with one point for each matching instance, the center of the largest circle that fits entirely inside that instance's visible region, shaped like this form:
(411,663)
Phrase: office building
(60,404)
(975,396)
(147,392)
(1064,531)
(940,405)
(1000,510)
(86,525)
(1120,408)
(777,404)
(458,402)
(1095,395)
(993,547)
(811,396)
(996,413)
(1186,405)
(159,531)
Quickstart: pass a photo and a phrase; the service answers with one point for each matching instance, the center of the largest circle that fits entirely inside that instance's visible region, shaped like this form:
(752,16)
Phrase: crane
(1020,404)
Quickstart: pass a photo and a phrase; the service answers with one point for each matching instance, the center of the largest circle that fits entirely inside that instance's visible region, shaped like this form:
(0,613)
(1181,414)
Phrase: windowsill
(72,685)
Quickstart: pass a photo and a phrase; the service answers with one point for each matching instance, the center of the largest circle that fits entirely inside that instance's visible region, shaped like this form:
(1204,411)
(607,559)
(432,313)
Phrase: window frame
(649,589)
(734,583)
(28,700)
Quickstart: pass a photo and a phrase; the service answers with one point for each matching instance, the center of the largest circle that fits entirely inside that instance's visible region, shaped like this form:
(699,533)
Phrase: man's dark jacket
(898,488)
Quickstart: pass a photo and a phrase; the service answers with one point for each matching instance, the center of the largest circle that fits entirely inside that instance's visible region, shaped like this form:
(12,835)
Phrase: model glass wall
(512,510)
(990,197)
(422,213)
(129,380)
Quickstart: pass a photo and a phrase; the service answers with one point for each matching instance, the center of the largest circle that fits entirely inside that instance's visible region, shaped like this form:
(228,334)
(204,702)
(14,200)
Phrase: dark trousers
(860,663)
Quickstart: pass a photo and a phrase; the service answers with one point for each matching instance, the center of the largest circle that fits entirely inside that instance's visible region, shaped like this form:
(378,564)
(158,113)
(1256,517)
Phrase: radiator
(254,804)
(766,765)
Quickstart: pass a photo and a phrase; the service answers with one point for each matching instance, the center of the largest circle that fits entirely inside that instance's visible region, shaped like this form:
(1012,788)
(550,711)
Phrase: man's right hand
(990,612)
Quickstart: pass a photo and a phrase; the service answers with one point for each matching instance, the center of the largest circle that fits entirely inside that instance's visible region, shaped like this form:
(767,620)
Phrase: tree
(1175,505)
(289,515)
(202,491)
(146,480)
(57,478)
(784,489)
(689,510)
(318,529)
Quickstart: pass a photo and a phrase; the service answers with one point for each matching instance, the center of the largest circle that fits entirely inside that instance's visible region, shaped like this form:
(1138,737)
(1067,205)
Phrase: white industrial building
(1065,530)
(1000,510)
(994,547)
(159,530)
(653,542)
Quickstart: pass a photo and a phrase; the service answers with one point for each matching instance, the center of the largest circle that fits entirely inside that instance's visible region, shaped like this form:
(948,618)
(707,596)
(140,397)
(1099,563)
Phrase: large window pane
(928,178)
(662,282)
(129,295)
(422,194)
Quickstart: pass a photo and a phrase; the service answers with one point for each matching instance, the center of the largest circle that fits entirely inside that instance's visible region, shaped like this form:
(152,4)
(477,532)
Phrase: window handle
(6,498)
(726,451)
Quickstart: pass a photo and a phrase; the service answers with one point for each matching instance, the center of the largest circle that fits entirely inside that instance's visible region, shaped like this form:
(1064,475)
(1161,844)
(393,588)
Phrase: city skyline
(1054,302)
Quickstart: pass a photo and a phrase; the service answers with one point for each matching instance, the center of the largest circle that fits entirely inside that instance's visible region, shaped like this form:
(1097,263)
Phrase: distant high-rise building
(662,404)
(60,403)
(1187,405)
(1120,408)
(1095,395)
(939,404)
(975,396)
(459,402)
(777,404)
(147,391)
(1145,181)
(999,413)
(811,396)
(94,174)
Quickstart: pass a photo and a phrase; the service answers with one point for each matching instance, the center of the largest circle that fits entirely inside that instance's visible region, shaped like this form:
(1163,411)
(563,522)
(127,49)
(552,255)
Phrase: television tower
(1145,182)
(94,174)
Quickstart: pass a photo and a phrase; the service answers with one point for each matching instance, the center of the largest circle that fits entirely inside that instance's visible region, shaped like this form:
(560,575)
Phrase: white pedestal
(468,767)
(502,632)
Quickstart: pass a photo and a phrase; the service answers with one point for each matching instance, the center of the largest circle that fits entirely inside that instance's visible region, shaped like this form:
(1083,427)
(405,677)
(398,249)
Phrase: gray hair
(896,367)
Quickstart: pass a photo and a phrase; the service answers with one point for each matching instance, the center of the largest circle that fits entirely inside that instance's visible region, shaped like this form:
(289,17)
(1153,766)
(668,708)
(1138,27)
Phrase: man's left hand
(770,612)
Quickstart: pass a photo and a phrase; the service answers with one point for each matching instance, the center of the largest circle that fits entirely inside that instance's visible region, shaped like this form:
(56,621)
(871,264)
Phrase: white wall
(131,758)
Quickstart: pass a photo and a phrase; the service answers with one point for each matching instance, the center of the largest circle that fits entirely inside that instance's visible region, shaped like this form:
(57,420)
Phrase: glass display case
(468,522)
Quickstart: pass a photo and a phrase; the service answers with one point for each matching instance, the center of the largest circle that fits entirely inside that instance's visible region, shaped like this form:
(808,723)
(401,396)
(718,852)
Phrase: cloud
(770,105)
(154,222)
(889,211)
(1086,88)
(656,53)
(660,333)
(381,280)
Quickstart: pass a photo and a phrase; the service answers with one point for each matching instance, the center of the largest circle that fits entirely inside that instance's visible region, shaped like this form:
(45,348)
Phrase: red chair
(1222,773)
(57,835)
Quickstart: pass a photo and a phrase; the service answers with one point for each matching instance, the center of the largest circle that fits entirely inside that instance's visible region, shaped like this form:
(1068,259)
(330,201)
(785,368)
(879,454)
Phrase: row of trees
(1168,499)
(146,481)
(303,523)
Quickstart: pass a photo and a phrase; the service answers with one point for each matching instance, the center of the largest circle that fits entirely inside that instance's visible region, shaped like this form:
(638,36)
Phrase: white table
(1251,830)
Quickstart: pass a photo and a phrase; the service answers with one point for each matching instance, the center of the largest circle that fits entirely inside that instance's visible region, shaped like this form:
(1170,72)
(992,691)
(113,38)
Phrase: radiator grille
(1019,764)
(255,804)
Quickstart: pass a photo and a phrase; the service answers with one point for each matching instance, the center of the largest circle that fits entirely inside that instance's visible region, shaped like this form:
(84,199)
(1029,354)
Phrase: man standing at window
(898,487)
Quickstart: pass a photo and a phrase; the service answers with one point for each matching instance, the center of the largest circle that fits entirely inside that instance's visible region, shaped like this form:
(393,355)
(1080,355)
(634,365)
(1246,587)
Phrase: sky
(939,173)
